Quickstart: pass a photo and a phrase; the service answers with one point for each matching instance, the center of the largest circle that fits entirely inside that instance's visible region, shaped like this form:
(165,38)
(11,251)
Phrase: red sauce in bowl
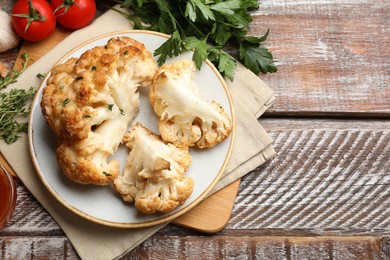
(7,196)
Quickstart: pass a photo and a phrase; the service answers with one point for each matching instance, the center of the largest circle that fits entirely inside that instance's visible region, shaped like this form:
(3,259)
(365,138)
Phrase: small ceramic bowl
(7,196)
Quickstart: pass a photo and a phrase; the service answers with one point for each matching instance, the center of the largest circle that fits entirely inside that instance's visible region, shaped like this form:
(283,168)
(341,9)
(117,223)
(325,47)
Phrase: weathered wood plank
(329,177)
(211,247)
(260,248)
(36,248)
(326,181)
(333,56)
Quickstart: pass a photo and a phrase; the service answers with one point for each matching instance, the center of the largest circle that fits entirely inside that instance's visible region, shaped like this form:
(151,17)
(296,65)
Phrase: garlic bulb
(9,39)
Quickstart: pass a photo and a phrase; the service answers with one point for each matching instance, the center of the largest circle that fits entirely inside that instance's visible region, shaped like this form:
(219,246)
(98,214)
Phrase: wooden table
(326,195)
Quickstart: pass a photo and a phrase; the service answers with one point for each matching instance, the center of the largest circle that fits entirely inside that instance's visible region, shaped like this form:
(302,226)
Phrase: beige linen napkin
(252,147)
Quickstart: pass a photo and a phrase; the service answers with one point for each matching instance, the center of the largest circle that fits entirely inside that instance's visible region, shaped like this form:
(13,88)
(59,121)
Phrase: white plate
(102,204)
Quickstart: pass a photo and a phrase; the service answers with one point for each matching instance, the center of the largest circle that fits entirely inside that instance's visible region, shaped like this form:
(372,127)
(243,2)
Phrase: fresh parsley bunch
(205,26)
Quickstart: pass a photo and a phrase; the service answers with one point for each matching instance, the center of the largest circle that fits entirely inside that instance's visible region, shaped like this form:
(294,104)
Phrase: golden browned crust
(84,93)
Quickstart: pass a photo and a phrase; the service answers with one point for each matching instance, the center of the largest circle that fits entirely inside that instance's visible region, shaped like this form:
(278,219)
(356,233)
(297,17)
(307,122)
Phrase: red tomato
(74,14)
(33,20)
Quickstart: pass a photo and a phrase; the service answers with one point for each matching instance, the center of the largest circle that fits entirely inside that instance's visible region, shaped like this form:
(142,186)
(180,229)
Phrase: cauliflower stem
(186,119)
(154,176)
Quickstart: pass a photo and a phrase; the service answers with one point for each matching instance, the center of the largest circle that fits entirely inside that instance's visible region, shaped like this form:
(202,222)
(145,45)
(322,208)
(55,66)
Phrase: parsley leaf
(200,50)
(204,9)
(225,63)
(170,48)
(222,35)
(257,59)
(226,7)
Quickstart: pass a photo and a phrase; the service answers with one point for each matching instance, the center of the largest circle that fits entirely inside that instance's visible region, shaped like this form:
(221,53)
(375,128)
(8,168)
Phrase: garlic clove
(9,38)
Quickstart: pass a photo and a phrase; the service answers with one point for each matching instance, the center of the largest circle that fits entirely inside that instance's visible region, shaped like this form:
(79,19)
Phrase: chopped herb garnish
(41,76)
(62,87)
(110,106)
(122,112)
(79,77)
(65,102)
(86,116)
(107,174)
(93,68)
(125,52)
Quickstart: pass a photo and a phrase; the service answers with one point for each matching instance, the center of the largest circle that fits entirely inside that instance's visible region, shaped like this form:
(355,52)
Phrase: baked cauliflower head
(186,119)
(91,101)
(154,176)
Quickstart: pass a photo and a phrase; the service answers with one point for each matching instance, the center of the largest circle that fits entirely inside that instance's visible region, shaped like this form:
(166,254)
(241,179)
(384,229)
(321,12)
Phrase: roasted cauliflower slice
(186,119)
(154,175)
(90,103)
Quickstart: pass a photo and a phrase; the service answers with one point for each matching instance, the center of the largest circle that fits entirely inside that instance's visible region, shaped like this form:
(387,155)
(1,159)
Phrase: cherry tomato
(74,14)
(33,20)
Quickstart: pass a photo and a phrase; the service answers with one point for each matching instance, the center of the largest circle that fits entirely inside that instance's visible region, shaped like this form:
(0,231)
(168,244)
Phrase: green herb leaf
(226,64)
(204,9)
(110,106)
(227,7)
(256,40)
(65,102)
(257,59)
(41,76)
(200,50)
(170,48)
(190,11)
(107,174)
(222,35)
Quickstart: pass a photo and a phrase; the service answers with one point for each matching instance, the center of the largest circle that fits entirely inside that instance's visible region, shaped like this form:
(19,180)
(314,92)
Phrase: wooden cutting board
(209,216)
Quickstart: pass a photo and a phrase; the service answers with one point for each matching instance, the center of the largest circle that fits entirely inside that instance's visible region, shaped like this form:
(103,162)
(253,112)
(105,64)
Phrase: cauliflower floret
(185,118)
(154,177)
(90,103)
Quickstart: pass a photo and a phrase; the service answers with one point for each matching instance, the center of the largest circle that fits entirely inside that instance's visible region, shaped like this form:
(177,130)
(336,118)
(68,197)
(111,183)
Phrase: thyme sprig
(12,106)
(11,78)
